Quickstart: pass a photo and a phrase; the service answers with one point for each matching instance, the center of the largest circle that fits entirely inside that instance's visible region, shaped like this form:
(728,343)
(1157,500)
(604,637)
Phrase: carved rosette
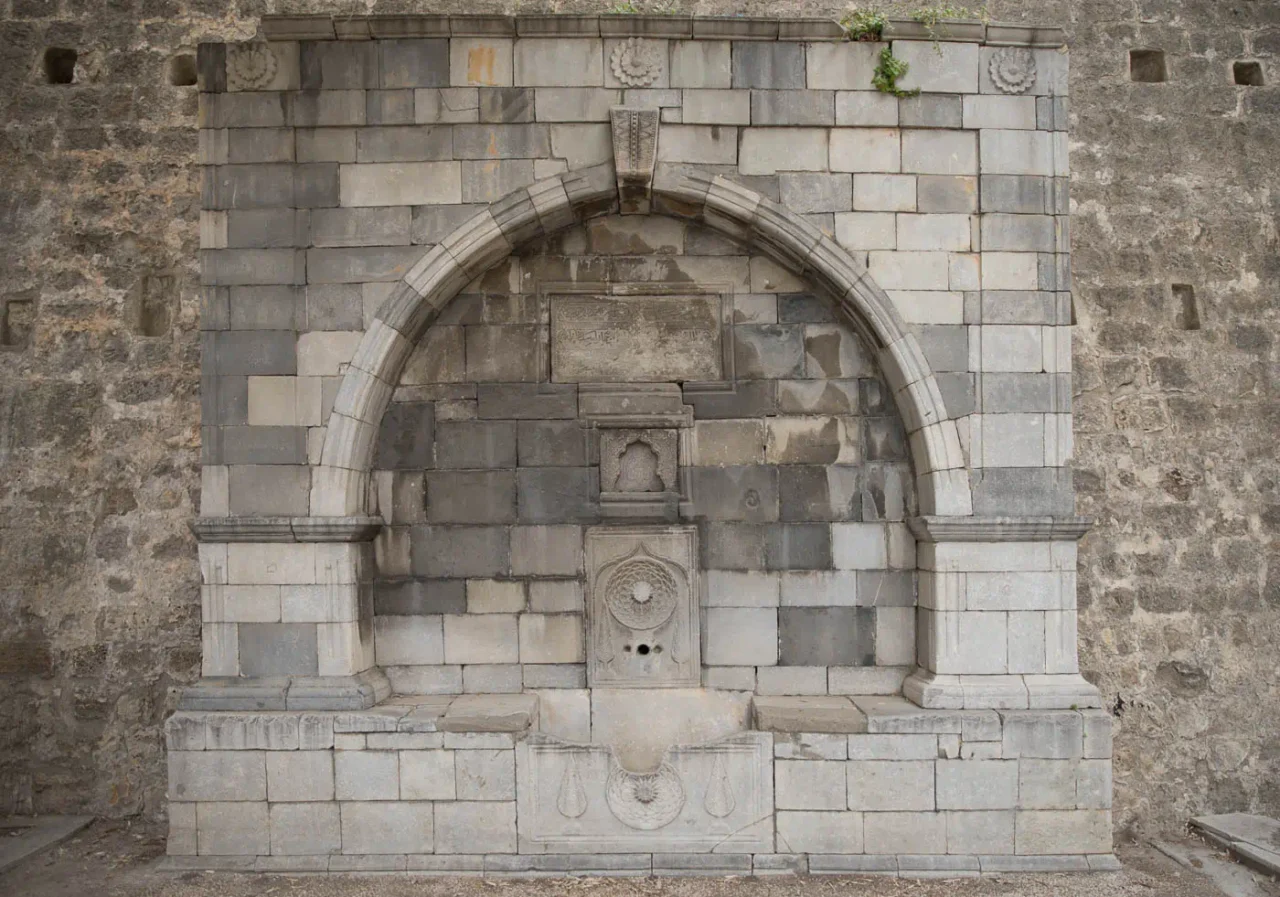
(635,151)
(641,593)
(250,66)
(1013,69)
(645,801)
(634,63)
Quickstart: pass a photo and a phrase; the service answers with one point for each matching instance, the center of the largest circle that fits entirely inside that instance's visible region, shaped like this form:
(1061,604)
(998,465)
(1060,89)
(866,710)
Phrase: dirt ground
(118,859)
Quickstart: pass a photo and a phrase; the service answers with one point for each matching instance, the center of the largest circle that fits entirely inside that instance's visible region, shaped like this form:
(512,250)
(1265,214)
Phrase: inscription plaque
(635,339)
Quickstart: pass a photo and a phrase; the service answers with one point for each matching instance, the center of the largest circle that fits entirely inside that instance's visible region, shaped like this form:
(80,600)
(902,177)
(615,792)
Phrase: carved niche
(642,607)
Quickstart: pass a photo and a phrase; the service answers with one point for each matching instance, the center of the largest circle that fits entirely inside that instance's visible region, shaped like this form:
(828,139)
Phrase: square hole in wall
(60,65)
(1248,73)
(17,317)
(1187,310)
(1147,66)
(182,70)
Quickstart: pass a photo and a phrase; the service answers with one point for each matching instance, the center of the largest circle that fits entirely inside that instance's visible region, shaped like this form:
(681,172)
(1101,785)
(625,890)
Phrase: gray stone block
(263,445)
(462,825)
(816,192)
(410,597)
(818,397)
(325,144)
(263,352)
(1019,307)
(247,267)
(415,63)
(768,351)
(387,827)
(557,494)
(371,226)
(825,716)
(506,105)
(294,776)
(946,193)
(406,437)
(405,143)
(389,107)
(501,141)
(883,439)
(794,107)
(798,546)
(546,551)
(745,399)
(247,187)
(471,496)
(555,675)
(805,308)
(268,228)
(1018,233)
(503,352)
(1020,194)
(826,636)
(1012,393)
(266,307)
(492,678)
(958,393)
(269,490)
(769,65)
(746,493)
(1022,491)
(945,347)
(818,492)
(277,649)
(528,401)
(315,185)
(431,224)
(232,829)
(325,108)
(733,546)
(548,443)
(887,493)
(360,264)
(224,400)
(490,180)
(475,444)
(217,776)
(336,306)
(880,588)
(249,145)
(242,110)
(930,111)
(460,551)
(305,830)
(717,864)
(342,65)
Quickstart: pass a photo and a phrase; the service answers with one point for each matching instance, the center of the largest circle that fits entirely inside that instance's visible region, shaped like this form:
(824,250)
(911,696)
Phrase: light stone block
(700,63)
(1026,642)
(546,551)
(810,746)
(791,680)
(884,193)
(819,588)
(983,832)
(934,232)
(815,832)
(895,635)
(890,785)
(731,588)
(575,104)
(480,62)
(405,640)
(581,145)
(486,774)
(977,784)
(461,826)
(810,785)
(770,150)
(904,833)
(556,596)
(427,775)
(495,596)
(400,183)
(305,829)
(492,678)
(908,270)
(859,546)
(1046,735)
(866,150)
(269,563)
(1018,152)
(326,353)
(295,776)
(700,144)
(491,638)
(182,829)
(938,66)
(1093,784)
(930,151)
(232,829)
(929,306)
(565,713)
(866,680)
(1011,348)
(717,107)
(892,747)
(1046,784)
(1062,831)
(217,776)
(841,65)
(1000,112)
(366,775)
(866,108)
(720,443)
(740,636)
(866,230)
(552,638)
(1008,440)
(387,827)
(559,62)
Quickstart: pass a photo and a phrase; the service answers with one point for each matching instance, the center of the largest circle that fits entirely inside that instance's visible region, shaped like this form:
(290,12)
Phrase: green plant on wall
(867,23)
(888,71)
(644,7)
(864,24)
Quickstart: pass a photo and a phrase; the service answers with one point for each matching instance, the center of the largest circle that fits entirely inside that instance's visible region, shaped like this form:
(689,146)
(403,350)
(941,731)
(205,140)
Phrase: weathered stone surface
(807,714)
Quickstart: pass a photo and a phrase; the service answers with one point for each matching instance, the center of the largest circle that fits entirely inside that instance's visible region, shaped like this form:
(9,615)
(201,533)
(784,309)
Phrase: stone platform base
(480,785)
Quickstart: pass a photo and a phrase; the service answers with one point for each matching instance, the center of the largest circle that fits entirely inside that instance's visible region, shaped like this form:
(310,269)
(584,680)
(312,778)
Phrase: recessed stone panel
(645,339)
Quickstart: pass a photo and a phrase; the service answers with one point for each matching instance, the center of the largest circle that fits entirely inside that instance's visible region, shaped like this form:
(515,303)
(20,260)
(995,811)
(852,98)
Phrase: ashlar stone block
(700,64)
(819,832)
(866,149)
(558,62)
(766,151)
(810,784)
(462,825)
(305,829)
(481,62)
(387,827)
(486,774)
(894,785)
(296,776)
(232,829)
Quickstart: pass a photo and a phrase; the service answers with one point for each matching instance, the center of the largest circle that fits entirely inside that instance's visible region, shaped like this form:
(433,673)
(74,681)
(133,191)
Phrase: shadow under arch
(339,483)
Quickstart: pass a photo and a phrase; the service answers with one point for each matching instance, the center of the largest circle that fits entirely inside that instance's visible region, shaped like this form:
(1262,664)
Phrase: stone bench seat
(875,714)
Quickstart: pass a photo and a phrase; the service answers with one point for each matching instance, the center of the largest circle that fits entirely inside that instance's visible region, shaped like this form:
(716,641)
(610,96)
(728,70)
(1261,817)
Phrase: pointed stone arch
(339,484)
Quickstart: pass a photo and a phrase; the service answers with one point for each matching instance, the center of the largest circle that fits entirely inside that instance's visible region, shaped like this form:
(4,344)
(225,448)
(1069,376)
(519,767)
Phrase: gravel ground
(117,859)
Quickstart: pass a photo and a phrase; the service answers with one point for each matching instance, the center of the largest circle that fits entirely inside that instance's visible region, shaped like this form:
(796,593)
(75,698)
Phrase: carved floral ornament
(250,66)
(635,63)
(1013,69)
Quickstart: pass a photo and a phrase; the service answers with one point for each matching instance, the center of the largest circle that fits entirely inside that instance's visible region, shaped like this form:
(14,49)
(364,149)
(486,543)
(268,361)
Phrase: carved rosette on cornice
(999,529)
(635,152)
(285,529)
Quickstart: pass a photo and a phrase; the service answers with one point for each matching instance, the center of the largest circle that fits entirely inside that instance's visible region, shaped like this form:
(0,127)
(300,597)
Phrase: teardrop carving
(572,799)
(720,800)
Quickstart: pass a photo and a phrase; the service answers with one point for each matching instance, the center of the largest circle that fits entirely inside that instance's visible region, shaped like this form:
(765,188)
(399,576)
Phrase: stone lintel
(999,529)
(633,406)
(285,529)
(324,27)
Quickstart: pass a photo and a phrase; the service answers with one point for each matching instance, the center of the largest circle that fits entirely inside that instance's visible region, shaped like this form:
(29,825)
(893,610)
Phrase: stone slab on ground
(25,836)
(1254,839)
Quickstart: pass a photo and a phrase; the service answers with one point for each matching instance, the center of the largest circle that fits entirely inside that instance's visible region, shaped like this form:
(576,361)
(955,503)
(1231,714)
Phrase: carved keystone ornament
(635,151)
